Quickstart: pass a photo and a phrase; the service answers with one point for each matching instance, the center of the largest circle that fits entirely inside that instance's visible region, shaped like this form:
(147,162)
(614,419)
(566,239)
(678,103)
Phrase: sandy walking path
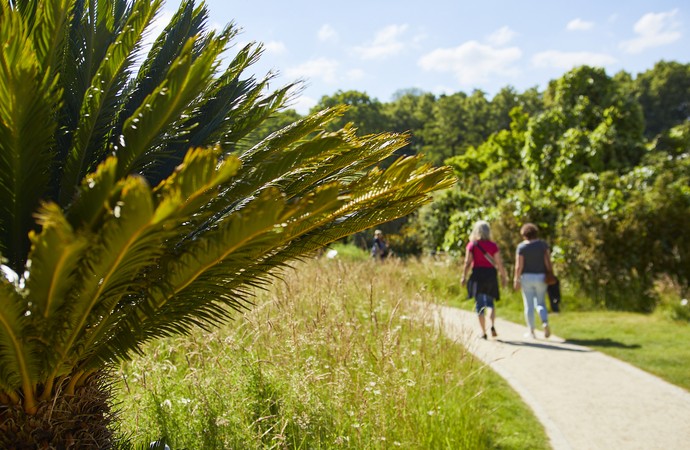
(585,399)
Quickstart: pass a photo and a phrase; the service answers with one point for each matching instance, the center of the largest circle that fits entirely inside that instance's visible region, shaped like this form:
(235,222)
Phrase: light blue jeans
(533,297)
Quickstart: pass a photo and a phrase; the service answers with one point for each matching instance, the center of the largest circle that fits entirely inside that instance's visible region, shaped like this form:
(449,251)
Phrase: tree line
(601,163)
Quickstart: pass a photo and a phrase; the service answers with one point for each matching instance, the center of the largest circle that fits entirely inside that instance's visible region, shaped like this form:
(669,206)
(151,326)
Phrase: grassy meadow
(341,353)
(337,354)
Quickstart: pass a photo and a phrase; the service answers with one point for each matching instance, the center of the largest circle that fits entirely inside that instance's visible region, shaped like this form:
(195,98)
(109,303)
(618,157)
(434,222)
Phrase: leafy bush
(348,252)
(631,232)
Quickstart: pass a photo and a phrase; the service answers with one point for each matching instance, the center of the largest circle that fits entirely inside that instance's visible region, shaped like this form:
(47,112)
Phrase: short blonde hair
(378,233)
(481,230)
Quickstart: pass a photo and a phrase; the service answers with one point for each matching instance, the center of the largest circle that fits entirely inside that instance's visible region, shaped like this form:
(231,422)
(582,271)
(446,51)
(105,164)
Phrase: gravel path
(585,399)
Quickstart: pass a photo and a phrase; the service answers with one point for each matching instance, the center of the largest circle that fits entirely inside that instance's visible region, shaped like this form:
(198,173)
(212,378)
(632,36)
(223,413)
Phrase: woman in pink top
(482,254)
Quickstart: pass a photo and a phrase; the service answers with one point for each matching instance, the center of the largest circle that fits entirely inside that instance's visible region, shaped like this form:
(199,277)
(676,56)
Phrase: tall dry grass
(337,354)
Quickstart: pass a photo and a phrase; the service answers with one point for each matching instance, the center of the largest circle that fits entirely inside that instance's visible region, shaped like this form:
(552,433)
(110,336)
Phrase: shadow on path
(544,345)
(585,399)
(605,342)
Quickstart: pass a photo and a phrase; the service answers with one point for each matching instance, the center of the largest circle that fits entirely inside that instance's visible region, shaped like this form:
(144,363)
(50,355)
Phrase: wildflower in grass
(222,421)
(684,302)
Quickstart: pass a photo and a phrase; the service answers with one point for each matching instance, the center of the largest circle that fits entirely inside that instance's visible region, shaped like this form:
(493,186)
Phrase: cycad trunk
(84,420)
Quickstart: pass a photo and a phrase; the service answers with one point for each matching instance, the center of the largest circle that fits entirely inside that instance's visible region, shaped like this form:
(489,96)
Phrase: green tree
(496,157)
(409,112)
(129,210)
(589,125)
(506,100)
(363,112)
(459,121)
(673,143)
(664,93)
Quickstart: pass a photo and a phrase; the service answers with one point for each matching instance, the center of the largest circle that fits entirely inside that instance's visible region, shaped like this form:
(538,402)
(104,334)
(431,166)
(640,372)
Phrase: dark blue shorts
(481,302)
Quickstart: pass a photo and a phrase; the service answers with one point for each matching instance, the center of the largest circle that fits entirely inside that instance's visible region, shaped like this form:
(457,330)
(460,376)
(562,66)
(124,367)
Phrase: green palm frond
(253,109)
(348,163)
(187,22)
(56,253)
(50,28)
(279,154)
(126,243)
(20,356)
(130,204)
(222,109)
(195,183)
(27,96)
(213,271)
(208,262)
(133,226)
(88,145)
(143,131)
(86,211)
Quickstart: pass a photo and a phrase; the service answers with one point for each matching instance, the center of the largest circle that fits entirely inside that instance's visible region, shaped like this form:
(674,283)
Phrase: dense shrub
(632,232)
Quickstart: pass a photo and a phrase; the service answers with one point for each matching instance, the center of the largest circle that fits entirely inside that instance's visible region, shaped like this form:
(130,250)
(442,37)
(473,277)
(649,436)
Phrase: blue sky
(380,47)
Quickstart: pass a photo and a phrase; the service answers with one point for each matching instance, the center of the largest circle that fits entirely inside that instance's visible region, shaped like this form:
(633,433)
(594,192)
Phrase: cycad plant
(131,206)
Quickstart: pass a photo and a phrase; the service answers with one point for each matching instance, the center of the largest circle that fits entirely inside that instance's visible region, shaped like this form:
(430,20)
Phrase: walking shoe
(493,332)
(530,334)
(484,336)
(547,330)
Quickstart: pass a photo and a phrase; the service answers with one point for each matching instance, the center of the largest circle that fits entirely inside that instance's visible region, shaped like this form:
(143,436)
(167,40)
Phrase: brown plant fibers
(81,421)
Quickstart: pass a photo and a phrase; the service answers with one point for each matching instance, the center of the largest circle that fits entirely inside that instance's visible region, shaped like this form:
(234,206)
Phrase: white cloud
(303,104)
(568,60)
(419,38)
(472,62)
(274,47)
(385,43)
(501,36)
(579,25)
(355,74)
(653,30)
(327,33)
(323,68)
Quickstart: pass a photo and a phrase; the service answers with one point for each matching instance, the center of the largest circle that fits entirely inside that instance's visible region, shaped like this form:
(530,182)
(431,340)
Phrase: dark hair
(529,231)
